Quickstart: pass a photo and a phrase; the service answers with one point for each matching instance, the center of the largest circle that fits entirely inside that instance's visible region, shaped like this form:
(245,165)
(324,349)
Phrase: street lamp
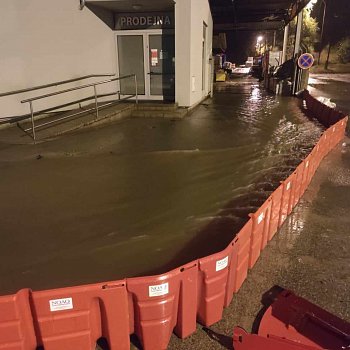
(259,39)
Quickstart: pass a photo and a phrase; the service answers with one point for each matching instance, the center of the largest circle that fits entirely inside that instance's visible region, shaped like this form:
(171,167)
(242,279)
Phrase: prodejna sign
(154,20)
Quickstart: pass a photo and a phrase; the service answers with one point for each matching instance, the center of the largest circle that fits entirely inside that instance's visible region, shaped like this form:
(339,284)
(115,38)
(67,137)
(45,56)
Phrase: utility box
(220,75)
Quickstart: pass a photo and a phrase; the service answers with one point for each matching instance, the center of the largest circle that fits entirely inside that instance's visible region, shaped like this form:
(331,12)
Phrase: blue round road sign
(306,60)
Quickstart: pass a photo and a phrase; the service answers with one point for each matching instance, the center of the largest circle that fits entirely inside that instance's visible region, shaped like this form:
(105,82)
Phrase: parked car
(229,67)
(241,71)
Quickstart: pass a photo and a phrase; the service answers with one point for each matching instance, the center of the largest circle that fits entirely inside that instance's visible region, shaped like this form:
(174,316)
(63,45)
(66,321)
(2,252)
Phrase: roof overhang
(107,9)
(243,15)
(254,15)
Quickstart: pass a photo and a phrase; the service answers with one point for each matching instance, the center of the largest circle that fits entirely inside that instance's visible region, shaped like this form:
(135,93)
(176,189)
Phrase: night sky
(337,26)
(337,22)
(239,45)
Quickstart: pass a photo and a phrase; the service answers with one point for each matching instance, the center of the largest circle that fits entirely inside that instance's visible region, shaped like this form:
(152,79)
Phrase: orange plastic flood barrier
(241,252)
(325,115)
(74,318)
(293,323)
(68,318)
(154,307)
(286,200)
(16,322)
(215,287)
(162,304)
(245,341)
(260,230)
(276,199)
(296,319)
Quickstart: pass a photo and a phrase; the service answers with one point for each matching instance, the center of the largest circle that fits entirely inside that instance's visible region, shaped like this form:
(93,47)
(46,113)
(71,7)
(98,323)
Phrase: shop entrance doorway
(151,56)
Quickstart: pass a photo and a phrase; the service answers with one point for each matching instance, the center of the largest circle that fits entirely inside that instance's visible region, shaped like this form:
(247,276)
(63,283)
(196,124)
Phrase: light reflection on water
(149,194)
(256,95)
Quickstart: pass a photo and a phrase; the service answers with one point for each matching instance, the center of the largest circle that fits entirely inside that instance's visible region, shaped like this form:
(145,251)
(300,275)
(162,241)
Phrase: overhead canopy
(254,15)
(251,15)
(132,6)
(107,9)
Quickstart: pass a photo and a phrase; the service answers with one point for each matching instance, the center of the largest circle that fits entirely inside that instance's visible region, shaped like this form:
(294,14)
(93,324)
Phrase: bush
(343,50)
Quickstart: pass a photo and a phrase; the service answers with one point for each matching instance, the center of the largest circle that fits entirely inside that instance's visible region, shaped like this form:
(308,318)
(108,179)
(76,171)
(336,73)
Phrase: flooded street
(143,196)
(310,253)
(155,192)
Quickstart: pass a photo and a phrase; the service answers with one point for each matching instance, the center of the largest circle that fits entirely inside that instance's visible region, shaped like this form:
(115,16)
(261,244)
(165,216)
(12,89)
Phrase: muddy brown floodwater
(309,254)
(142,196)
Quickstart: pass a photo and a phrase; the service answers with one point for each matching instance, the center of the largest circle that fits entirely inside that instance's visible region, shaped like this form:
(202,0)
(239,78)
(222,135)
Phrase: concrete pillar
(192,17)
(183,52)
(285,43)
(298,33)
(297,73)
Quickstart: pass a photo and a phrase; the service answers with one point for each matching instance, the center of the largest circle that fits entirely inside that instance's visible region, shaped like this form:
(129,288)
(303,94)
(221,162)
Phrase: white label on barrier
(342,123)
(283,217)
(61,304)
(325,137)
(307,164)
(221,264)
(333,129)
(159,290)
(288,186)
(261,217)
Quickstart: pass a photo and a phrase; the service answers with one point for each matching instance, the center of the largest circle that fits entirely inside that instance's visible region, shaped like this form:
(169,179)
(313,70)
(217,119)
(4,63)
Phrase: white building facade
(167,44)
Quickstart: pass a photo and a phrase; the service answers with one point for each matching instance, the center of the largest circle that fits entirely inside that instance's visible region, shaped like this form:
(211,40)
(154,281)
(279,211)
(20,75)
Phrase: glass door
(151,56)
(161,49)
(131,61)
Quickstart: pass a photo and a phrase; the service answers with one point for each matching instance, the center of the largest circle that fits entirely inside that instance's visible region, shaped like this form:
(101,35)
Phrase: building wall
(183,52)
(42,41)
(189,18)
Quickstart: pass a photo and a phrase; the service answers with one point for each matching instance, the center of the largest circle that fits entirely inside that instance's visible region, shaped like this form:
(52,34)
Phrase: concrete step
(89,119)
(157,106)
(178,113)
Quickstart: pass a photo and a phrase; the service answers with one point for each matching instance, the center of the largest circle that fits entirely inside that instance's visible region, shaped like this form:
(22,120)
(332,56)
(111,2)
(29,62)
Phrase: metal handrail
(76,88)
(39,87)
(19,118)
(96,108)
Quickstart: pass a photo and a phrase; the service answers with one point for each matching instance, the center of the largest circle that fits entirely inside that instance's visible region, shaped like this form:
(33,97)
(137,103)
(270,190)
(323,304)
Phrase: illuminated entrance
(146,47)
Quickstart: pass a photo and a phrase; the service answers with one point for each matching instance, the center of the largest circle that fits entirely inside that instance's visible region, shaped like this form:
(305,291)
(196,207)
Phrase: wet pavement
(143,196)
(333,86)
